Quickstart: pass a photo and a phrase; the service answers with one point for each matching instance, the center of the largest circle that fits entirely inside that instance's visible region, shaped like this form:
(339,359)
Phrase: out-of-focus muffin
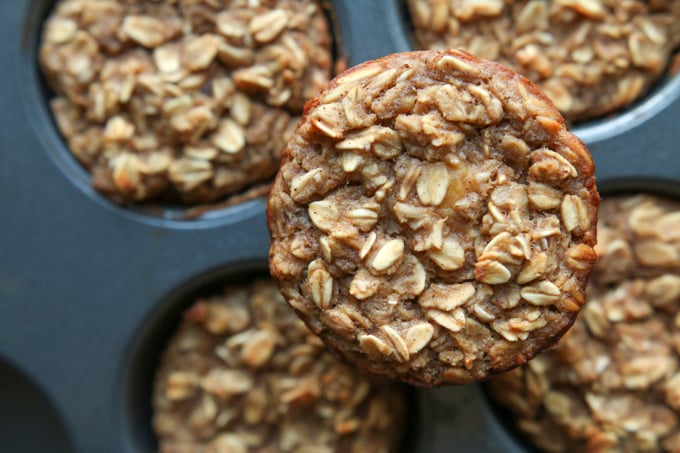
(243,374)
(184,101)
(591,57)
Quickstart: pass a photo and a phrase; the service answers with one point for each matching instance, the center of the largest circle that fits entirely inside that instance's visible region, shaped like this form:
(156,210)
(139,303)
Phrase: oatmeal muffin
(182,101)
(243,374)
(591,57)
(613,382)
(433,220)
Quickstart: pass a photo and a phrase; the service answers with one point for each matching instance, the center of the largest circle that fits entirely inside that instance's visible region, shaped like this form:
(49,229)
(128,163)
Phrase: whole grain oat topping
(186,100)
(590,57)
(433,220)
(613,382)
(243,374)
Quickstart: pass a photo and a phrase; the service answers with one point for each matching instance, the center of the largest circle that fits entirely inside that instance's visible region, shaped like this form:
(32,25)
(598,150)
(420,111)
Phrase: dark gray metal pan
(90,291)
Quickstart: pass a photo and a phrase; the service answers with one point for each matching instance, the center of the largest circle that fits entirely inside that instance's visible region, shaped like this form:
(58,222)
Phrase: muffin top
(243,374)
(182,101)
(433,220)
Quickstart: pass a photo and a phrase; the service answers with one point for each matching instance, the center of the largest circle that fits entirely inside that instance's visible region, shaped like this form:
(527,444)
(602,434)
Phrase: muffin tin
(91,291)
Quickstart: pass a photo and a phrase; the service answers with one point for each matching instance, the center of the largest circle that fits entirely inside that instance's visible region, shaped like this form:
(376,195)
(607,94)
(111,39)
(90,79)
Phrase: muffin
(433,220)
(243,374)
(182,101)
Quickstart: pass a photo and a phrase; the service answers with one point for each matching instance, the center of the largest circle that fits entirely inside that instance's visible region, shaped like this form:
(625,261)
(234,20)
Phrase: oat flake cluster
(243,374)
(433,220)
(184,100)
(590,57)
(613,383)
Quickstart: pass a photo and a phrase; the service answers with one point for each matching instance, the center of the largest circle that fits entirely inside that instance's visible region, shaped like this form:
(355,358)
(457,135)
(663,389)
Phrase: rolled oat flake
(433,220)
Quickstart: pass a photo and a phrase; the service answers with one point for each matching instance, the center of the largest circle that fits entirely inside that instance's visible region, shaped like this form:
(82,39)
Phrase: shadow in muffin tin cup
(28,420)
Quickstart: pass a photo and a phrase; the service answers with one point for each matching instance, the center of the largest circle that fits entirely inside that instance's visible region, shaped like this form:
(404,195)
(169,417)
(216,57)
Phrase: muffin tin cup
(90,291)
